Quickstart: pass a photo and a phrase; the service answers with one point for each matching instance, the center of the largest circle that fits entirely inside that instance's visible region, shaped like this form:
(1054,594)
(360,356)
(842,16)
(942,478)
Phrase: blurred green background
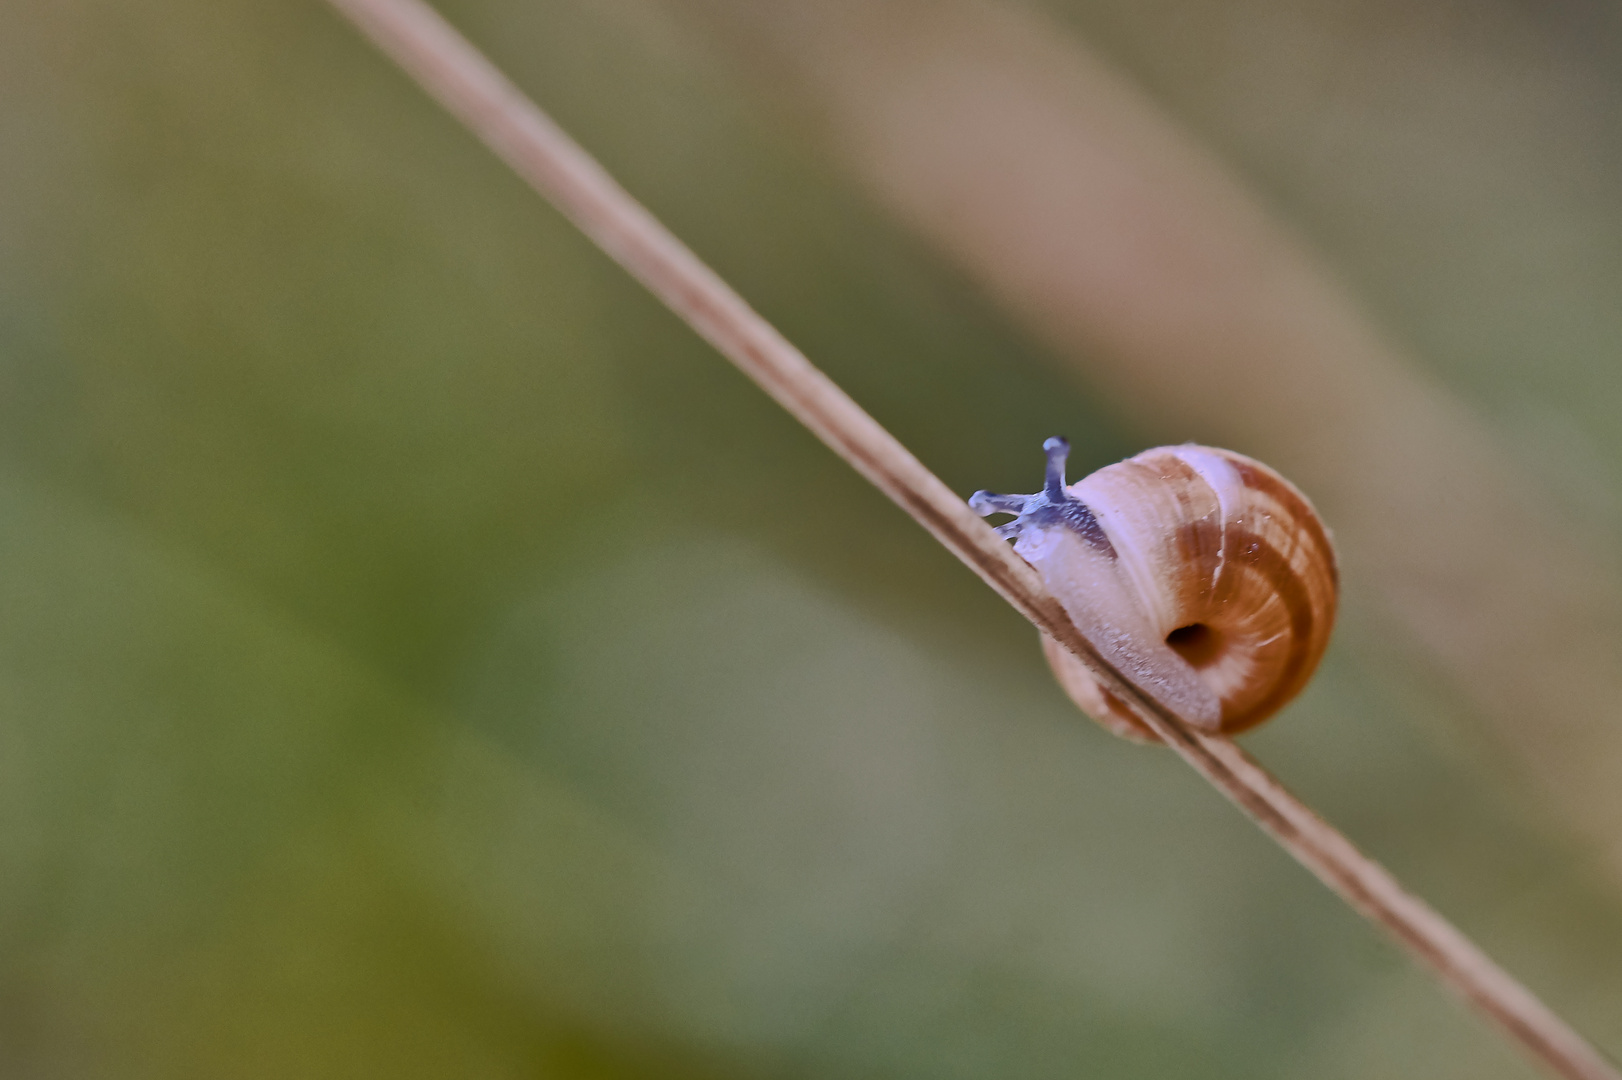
(420,656)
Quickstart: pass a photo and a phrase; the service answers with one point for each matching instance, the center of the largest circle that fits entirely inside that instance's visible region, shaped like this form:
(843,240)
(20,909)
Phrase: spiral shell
(1201,574)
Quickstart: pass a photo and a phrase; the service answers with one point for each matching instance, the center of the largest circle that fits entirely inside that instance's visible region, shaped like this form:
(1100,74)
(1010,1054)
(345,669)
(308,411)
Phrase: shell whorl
(1200,573)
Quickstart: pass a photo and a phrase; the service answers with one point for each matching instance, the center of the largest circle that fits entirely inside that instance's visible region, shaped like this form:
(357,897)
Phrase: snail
(1202,575)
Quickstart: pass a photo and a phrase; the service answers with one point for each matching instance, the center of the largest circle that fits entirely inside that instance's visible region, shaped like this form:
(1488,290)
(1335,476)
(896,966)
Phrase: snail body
(1201,574)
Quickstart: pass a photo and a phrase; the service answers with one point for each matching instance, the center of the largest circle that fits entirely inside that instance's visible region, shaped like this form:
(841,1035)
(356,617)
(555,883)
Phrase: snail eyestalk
(1058,452)
(986,503)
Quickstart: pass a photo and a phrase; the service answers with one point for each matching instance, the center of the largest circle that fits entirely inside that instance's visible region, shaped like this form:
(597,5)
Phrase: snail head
(1051,507)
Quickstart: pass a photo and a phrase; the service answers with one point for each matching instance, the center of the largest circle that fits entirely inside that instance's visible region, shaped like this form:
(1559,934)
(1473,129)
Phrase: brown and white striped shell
(1201,574)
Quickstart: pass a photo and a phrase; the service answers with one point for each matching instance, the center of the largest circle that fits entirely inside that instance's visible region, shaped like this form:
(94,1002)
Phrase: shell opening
(1196,643)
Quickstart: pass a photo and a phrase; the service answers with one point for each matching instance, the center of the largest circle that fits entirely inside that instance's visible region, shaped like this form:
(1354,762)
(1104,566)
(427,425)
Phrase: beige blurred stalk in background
(1150,269)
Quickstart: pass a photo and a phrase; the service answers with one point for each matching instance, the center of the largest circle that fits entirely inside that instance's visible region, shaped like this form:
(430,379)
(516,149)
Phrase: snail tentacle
(986,503)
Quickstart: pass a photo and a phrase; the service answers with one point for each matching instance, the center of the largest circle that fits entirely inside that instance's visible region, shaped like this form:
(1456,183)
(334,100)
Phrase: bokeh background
(420,656)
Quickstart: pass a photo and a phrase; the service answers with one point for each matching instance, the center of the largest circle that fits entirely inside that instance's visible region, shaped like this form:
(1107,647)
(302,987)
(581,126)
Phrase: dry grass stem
(481,97)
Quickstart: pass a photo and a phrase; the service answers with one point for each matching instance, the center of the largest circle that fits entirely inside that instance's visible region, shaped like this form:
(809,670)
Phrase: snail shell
(1204,577)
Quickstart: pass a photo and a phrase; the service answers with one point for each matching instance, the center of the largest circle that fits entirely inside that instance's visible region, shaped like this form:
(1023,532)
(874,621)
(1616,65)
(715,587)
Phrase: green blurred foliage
(420,656)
